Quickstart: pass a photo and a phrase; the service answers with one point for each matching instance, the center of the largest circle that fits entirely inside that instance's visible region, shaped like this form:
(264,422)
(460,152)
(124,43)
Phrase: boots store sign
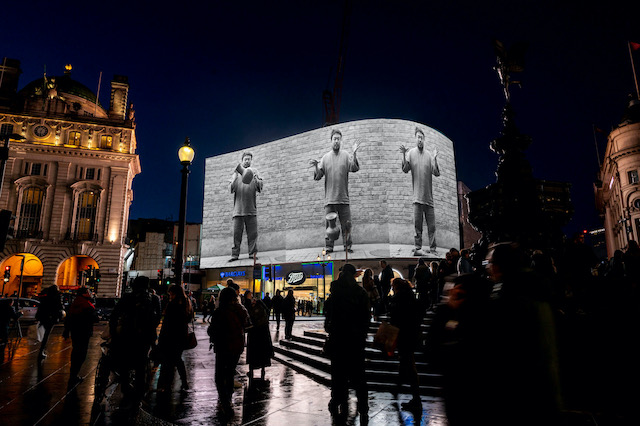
(295,277)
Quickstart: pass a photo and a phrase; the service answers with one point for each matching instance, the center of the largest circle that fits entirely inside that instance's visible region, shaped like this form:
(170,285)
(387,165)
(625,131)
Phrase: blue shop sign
(230,274)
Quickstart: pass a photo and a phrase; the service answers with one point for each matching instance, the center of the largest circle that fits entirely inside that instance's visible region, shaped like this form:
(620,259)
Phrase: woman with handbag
(259,346)
(173,338)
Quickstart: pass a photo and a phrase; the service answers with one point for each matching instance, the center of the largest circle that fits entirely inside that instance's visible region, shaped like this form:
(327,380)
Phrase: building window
(633,177)
(74,138)
(27,168)
(6,129)
(91,174)
(30,210)
(106,141)
(86,215)
(36,168)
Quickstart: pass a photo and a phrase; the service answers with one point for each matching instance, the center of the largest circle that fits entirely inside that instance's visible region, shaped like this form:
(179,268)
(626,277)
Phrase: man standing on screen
(423,165)
(335,167)
(244,206)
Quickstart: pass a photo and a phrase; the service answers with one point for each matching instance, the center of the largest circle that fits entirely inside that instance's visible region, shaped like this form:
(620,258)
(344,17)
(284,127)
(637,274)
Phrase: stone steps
(305,355)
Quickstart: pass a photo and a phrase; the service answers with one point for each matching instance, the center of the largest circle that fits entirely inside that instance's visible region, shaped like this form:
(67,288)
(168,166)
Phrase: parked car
(104,307)
(28,307)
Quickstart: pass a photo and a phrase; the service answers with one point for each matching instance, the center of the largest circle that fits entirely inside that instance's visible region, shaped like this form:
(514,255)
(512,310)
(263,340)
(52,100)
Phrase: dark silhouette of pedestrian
(79,324)
(173,337)
(277,303)
(48,314)
(520,343)
(7,314)
(289,314)
(423,285)
(455,348)
(259,345)
(132,327)
(268,303)
(368,283)
(406,314)
(386,276)
(347,321)
(226,333)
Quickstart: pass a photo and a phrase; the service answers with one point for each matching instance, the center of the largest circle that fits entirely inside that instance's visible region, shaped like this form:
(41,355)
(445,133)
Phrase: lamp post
(324,275)
(185,154)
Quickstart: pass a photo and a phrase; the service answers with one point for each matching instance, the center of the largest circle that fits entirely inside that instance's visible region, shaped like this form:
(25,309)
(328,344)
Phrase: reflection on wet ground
(37,394)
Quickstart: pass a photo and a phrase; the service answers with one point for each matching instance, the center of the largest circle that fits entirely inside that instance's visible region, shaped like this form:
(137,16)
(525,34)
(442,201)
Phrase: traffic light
(7,273)
(97,275)
(160,274)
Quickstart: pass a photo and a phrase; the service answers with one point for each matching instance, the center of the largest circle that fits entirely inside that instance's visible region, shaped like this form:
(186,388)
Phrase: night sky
(237,74)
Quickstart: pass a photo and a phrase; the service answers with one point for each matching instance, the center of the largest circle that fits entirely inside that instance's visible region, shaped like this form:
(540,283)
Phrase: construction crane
(331,98)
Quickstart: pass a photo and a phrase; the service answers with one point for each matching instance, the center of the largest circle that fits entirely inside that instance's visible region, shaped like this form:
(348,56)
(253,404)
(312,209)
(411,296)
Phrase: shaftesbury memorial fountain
(517,208)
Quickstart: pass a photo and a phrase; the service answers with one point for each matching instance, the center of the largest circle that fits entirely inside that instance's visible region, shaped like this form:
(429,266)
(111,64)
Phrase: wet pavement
(33,394)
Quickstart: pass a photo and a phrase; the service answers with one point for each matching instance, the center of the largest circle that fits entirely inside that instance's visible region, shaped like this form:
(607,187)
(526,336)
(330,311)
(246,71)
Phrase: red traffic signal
(7,268)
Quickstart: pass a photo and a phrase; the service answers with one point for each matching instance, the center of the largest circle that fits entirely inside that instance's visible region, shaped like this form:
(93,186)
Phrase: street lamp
(324,275)
(185,154)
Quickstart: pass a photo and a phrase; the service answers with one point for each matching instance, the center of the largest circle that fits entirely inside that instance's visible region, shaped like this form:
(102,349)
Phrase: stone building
(67,181)
(617,190)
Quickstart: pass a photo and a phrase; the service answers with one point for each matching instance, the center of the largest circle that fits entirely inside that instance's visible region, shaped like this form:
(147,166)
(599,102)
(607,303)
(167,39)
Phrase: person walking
(268,304)
(423,285)
(405,314)
(173,336)
(48,314)
(277,303)
(79,324)
(259,345)
(226,332)
(7,314)
(369,285)
(132,326)
(348,315)
(289,314)
(385,284)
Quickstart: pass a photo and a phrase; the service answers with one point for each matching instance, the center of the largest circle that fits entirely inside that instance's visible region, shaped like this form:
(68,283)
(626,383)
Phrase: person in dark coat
(226,332)
(7,314)
(423,285)
(48,314)
(173,336)
(268,303)
(259,345)
(406,314)
(289,314)
(132,327)
(79,324)
(348,315)
(277,303)
(385,284)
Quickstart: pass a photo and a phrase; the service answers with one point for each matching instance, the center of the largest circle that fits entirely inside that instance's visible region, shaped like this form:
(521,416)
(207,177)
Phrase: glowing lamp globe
(186,153)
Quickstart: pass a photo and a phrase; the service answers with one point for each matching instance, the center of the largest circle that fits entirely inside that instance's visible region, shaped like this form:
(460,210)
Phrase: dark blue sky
(236,75)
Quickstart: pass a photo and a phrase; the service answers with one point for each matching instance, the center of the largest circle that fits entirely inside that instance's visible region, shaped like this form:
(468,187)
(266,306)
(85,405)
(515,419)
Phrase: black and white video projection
(293,197)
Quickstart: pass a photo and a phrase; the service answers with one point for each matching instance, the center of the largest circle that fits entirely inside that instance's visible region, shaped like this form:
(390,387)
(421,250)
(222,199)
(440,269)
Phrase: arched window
(86,215)
(30,210)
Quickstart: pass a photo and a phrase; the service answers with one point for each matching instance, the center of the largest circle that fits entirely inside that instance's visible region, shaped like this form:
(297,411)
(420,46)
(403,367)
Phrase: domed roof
(65,84)
(632,113)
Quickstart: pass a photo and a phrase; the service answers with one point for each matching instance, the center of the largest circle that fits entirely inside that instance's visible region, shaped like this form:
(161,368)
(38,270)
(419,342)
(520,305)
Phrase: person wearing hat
(245,213)
(347,322)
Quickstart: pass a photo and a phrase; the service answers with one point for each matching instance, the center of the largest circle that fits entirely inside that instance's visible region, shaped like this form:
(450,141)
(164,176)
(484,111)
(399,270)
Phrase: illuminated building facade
(618,187)
(67,182)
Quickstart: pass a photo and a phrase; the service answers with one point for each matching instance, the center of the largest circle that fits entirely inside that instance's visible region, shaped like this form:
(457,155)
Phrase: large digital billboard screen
(380,188)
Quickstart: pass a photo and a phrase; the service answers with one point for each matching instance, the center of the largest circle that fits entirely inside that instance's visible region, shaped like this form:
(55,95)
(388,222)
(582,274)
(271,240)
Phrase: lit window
(633,177)
(30,210)
(86,215)
(106,141)
(74,138)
